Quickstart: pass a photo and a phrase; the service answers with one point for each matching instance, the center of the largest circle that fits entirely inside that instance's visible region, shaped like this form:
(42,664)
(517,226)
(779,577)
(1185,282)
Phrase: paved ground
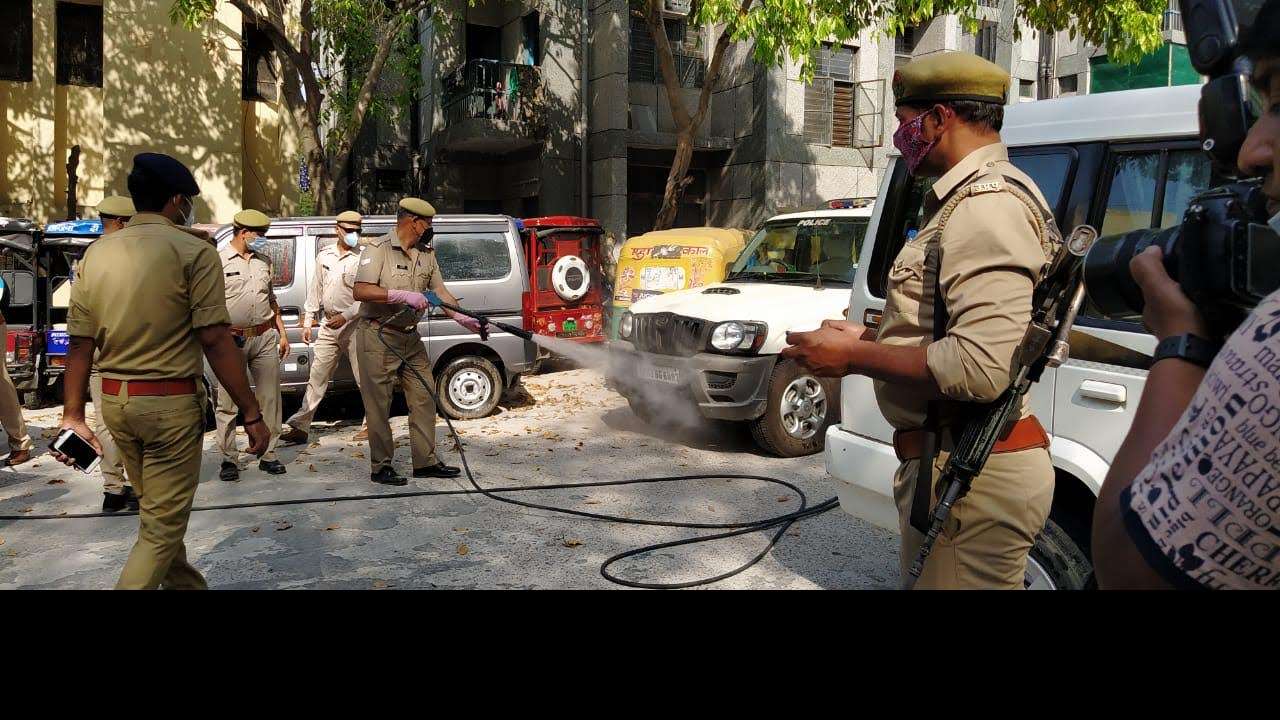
(567,428)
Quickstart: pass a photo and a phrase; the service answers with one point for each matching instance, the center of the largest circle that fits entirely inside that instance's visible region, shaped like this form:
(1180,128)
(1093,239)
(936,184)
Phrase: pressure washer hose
(781,522)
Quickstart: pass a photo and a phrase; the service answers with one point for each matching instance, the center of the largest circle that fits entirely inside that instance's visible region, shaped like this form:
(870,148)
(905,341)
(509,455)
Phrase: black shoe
(111,502)
(275,467)
(387,476)
(439,470)
(130,500)
(229,472)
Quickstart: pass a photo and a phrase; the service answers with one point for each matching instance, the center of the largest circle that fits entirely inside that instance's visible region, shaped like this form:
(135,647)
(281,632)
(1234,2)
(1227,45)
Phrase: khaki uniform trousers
(262,357)
(113,477)
(10,409)
(985,542)
(160,440)
(379,368)
(329,346)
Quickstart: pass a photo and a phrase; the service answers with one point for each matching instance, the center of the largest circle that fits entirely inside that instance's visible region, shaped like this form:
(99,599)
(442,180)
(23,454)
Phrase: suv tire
(1057,562)
(469,387)
(800,408)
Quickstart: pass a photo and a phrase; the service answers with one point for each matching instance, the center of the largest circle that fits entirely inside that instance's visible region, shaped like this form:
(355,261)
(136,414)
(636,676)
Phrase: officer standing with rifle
(959,304)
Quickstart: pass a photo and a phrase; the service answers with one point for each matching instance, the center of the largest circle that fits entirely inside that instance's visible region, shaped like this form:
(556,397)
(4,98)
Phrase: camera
(1223,254)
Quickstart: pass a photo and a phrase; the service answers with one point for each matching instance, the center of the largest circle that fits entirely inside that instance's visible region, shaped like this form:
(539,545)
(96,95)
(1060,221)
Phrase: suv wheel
(800,409)
(469,388)
(1057,562)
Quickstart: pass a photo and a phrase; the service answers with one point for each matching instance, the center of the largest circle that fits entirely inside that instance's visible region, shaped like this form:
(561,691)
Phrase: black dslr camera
(1224,255)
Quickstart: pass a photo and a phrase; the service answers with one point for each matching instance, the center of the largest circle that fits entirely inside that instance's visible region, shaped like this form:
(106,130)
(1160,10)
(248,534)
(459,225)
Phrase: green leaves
(191,13)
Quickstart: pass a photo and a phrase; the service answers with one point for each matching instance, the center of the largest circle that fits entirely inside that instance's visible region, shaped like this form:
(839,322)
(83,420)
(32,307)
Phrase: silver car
(484,267)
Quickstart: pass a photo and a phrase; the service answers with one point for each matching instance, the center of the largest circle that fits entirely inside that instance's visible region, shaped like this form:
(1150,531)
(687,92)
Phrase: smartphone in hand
(69,443)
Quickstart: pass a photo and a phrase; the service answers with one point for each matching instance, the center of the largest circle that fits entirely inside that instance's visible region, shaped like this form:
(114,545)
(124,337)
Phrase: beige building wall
(165,89)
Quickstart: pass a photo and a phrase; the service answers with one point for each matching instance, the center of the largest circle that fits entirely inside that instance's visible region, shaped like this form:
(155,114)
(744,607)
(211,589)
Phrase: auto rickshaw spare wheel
(570,278)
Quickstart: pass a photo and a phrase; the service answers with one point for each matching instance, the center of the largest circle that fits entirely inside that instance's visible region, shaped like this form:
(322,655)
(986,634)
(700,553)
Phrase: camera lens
(1108,282)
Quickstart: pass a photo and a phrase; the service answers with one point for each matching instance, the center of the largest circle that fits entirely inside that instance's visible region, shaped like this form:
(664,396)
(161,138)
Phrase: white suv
(1117,161)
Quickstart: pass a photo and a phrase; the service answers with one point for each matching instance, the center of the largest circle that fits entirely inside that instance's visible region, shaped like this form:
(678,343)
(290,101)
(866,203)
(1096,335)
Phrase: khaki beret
(350,216)
(117,206)
(252,219)
(950,76)
(417,206)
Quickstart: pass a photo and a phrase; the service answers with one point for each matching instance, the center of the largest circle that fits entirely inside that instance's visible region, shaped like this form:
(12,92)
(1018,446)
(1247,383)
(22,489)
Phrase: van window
(1189,174)
(1050,168)
(473,255)
(282,250)
(1134,182)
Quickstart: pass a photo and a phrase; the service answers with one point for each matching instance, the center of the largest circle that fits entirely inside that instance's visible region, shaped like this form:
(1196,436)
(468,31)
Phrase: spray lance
(484,321)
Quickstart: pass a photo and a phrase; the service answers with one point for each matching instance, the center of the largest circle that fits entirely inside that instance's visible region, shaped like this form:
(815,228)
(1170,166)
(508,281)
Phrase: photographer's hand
(1168,311)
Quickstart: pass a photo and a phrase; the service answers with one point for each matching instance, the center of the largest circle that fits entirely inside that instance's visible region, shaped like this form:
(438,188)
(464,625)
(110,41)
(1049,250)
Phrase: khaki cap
(950,76)
(350,216)
(252,219)
(117,206)
(417,206)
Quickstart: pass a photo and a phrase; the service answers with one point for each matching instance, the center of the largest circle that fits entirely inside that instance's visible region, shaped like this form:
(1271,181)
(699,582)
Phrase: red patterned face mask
(910,142)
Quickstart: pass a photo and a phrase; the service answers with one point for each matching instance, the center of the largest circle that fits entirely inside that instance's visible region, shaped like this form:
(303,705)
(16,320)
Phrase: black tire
(641,410)
(769,430)
(1058,559)
(469,387)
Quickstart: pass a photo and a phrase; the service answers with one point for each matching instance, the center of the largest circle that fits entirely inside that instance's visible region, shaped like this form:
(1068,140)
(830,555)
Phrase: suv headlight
(626,324)
(735,336)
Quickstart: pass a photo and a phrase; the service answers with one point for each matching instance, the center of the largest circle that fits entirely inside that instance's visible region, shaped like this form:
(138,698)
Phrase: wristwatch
(1192,348)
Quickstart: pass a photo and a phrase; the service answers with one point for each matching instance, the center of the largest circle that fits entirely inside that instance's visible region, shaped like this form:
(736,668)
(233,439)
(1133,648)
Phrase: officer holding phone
(150,337)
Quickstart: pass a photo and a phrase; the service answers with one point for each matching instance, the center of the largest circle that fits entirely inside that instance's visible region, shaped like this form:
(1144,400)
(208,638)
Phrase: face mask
(351,239)
(188,215)
(910,142)
(258,244)
(424,240)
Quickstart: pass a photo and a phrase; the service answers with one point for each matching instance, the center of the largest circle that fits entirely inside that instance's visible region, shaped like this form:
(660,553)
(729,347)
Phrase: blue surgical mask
(351,239)
(258,244)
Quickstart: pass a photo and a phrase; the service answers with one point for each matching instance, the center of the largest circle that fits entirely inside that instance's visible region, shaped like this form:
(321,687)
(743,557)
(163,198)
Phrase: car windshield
(802,250)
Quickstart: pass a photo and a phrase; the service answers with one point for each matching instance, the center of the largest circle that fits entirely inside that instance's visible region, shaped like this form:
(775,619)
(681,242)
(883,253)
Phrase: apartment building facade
(116,78)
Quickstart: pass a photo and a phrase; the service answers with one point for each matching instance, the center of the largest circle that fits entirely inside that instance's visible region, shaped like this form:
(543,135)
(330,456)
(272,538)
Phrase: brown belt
(380,322)
(1025,434)
(138,388)
(259,329)
(330,315)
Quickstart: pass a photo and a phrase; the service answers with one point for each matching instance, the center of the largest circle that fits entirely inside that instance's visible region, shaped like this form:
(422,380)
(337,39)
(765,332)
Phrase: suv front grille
(669,334)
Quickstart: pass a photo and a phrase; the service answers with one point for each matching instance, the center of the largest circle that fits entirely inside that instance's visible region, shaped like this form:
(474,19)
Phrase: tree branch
(365,97)
(713,69)
(667,61)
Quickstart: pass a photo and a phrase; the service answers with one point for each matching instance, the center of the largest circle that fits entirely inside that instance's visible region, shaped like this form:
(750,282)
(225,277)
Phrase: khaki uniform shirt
(990,258)
(386,264)
(250,298)
(141,293)
(332,284)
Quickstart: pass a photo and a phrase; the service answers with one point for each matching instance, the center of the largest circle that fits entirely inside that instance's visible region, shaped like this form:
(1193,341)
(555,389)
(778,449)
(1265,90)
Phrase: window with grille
(829,98)
(258,72)
(643,64)
(15,40)
(985,41)
(79,44)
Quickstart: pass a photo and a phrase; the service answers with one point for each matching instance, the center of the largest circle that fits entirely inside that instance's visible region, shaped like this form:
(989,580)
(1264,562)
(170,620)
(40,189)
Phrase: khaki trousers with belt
(985,542)
(113,473)
(10,409)
(328,347)
(379,368)
(262,357)
(160,440)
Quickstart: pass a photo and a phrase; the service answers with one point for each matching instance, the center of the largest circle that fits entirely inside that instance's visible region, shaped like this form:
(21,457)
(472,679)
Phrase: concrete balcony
(492,107)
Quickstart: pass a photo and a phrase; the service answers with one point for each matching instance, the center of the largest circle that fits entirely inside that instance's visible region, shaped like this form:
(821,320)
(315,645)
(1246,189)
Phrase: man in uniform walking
(150,336)
(330,289)
(394,272)
(118,494)
(259,333)
(958,304)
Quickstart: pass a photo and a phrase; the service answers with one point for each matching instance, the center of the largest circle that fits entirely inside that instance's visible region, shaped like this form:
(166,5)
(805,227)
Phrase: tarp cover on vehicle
(666,260)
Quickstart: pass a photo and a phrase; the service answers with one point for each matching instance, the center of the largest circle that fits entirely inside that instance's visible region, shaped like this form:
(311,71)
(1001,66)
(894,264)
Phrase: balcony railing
(507,93)
(1173,21)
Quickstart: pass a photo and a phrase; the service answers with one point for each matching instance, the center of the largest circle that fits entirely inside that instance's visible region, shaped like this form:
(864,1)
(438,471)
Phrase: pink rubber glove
(415,300)
(471,324)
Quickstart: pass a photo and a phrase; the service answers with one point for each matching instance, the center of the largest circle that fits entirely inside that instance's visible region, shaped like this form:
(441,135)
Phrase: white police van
(1117,161)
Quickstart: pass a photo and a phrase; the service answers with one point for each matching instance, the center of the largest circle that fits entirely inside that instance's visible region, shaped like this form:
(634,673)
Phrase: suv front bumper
(724,387)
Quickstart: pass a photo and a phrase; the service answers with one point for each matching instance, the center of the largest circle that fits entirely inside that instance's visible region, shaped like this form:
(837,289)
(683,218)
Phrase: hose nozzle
(434,299)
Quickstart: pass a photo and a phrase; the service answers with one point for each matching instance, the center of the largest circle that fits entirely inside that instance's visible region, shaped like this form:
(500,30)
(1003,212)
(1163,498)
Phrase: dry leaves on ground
(463,549)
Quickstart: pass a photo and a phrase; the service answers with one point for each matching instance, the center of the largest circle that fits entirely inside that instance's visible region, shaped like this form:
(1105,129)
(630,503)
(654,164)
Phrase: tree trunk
(677,180)
(73,163)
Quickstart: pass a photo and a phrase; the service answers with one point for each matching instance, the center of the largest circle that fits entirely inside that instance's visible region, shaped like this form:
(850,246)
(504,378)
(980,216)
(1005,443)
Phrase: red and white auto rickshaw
(566,296)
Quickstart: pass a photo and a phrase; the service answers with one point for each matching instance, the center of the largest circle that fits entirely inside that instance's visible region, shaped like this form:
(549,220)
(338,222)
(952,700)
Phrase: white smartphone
(68,443)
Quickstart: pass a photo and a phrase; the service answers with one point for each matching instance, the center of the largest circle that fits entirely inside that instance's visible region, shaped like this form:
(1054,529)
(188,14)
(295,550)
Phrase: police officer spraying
(394,270)
(330,290)
(117,492)
(149,300)
(958,304)
(259,333)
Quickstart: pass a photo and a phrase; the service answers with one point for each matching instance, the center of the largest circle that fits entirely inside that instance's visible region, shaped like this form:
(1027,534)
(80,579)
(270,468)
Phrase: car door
(1142,186)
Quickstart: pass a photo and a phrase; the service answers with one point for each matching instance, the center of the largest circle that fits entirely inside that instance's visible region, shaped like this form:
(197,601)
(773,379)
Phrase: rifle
(1054,305)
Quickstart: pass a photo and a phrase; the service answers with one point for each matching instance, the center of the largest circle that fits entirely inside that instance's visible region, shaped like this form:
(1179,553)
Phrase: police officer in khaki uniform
(115,212)
(11,410)
(958,303)
(259,332)
(149,299)
(393,272)
(330,290)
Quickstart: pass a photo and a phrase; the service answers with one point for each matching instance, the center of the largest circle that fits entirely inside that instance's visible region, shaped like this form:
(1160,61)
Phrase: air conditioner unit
(678,7)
